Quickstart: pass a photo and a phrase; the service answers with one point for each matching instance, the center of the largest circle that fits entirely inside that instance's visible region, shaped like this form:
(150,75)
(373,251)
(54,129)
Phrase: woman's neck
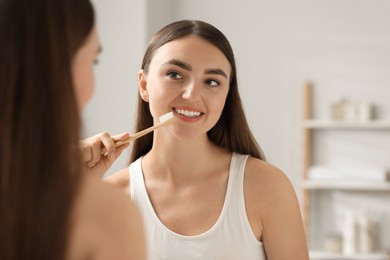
(177,159)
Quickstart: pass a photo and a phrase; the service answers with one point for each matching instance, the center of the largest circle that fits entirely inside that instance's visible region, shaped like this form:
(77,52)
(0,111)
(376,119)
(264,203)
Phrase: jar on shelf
(367,233)
(333,243)
(365,111)
(338,108)
(350,234)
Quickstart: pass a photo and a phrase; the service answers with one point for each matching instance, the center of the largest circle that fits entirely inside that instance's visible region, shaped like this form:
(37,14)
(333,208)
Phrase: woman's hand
(92,159)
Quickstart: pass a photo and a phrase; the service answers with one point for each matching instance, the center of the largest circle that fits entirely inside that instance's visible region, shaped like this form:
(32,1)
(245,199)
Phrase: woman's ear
(142,84)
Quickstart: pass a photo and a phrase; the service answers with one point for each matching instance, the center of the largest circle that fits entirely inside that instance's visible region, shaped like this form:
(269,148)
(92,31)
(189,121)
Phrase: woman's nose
(192,92)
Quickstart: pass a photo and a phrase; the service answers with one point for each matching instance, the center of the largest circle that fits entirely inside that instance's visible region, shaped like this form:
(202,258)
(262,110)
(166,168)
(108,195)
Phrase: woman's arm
(105,224)
(272,200)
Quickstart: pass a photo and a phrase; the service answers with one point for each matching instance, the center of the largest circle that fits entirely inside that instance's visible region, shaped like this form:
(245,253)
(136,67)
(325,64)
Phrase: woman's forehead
(191,49)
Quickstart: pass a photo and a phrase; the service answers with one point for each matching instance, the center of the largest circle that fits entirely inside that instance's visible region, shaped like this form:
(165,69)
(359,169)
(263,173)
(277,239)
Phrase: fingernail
(111,156)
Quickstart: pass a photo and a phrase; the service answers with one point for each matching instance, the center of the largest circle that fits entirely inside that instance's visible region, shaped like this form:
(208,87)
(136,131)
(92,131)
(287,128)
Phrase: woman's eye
(174,75)
(212,83)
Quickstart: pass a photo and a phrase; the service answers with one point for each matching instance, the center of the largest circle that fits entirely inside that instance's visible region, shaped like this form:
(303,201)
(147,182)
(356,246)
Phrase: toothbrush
(164,119)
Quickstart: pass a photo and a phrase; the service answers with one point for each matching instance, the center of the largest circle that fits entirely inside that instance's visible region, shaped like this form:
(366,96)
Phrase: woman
(49,208)
(202,183)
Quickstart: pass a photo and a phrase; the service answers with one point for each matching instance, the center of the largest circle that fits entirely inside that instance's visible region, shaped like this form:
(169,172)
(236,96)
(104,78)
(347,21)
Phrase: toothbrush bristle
(166,116)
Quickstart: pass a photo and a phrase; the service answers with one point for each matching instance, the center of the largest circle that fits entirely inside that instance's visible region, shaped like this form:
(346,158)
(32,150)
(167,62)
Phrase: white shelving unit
(333,256)
(329,124)
(351,185)
(310,126)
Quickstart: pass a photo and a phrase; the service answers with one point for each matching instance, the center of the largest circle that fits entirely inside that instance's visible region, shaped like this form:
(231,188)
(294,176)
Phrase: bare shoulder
(105,224)
(266,178)
(268,188)
(273,211)
(120,179)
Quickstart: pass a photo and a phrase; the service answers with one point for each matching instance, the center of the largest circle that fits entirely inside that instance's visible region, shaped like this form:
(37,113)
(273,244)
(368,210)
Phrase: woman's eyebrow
(188,67)
(100,49)
(179,64)
(216,72)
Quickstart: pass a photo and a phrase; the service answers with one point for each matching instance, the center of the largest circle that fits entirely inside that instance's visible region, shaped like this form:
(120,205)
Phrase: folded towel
(326,172)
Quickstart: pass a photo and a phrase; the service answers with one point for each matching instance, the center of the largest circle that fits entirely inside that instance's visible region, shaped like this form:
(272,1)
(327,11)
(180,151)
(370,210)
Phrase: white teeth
(188,113)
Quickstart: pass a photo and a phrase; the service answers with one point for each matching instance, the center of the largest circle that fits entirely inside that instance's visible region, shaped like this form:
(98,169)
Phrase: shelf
(316,186)
(331,124)
(343,185)
(337,256)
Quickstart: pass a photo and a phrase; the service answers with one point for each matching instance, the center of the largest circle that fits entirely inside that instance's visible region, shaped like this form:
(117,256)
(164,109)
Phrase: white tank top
(231,237)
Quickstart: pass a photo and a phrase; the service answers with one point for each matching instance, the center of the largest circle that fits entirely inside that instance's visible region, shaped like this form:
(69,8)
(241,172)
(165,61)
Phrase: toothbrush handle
(139,134)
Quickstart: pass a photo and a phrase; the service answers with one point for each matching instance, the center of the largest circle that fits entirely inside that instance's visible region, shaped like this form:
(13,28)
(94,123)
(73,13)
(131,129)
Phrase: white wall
(122,28)
(342,46)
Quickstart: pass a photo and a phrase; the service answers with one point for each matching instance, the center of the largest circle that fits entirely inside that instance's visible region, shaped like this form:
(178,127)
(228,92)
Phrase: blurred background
(342,47)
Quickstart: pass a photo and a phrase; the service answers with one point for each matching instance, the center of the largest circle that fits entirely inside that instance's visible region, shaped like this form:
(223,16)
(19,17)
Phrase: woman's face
(82,68)
(190,77)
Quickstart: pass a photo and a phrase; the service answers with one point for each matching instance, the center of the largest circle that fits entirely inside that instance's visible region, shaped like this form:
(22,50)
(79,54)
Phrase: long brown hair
(231,131)
(39,124)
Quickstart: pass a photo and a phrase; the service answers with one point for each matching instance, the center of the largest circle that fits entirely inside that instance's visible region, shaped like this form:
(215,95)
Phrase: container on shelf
(333,243)
(343,109)
(350,234)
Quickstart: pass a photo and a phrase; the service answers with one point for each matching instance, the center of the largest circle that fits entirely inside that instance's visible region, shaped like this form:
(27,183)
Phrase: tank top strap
(236,211)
